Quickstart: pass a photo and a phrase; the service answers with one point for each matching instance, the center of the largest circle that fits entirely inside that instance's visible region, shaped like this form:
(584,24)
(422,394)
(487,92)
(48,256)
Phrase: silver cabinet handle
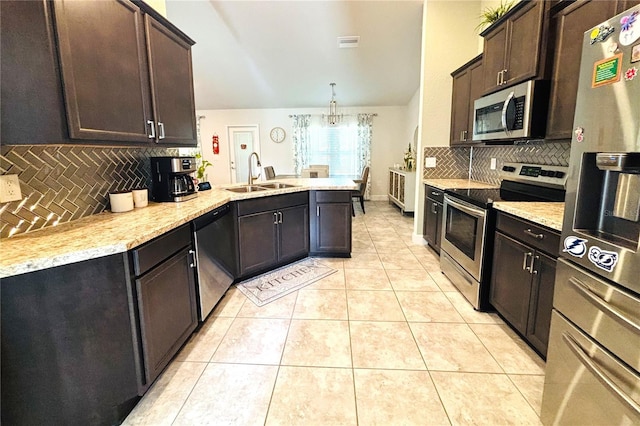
(275,218)
(606,381)
(524,261)
(498,78)
(533,260)
(280,214)
(194,263)
(434,193)
(504,72)
(465,135)
(161,130)
(434,209)
(530,233)
(602,304)
(152,128)
(318,210)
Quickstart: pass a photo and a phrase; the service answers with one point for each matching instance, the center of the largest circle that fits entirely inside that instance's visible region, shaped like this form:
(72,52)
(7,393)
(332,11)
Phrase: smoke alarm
(348,42)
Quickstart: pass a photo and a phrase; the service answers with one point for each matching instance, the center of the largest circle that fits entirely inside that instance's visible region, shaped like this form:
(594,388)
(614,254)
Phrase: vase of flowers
(409,159)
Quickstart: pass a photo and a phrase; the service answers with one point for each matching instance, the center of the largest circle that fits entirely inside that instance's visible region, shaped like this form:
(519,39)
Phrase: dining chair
(269,173)
(359,193)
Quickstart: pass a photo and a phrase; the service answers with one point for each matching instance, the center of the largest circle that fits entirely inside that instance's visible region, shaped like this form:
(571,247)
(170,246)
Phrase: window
(336,146)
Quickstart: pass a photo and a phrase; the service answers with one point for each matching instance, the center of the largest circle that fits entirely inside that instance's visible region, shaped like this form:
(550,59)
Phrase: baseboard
(418,239)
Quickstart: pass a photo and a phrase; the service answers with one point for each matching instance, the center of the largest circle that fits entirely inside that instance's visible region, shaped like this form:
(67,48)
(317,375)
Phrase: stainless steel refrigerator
(593,361)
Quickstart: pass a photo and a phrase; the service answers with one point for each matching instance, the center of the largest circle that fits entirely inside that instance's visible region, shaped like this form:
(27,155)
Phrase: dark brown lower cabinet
(166,302)
(271,231)
(523,277)
(330,223)
(68,353)
(432,225)
(82,342)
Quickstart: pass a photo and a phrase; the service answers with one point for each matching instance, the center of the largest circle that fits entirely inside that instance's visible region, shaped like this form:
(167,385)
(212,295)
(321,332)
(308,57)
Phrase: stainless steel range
(469,224)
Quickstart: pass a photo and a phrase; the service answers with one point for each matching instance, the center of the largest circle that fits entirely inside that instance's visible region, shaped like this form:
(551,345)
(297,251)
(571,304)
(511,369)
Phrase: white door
(243,140)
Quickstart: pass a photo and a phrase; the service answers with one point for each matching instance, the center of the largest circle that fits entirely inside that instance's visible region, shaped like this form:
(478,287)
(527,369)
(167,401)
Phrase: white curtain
(365,133)
(301,141)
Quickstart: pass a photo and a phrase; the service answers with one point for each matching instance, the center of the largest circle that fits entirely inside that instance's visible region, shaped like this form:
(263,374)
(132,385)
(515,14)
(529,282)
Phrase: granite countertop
(458,184)
(543,213)
(109,233)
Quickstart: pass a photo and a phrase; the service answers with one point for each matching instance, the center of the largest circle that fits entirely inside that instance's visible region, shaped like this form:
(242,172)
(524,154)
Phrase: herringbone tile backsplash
(453,163)
(61,183)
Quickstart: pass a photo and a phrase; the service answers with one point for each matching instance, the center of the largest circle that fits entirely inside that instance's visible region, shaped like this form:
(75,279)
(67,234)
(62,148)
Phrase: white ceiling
(284,54)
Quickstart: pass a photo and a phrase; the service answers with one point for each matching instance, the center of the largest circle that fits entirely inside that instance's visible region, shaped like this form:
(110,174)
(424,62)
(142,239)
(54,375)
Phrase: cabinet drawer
(155,251)
(536,236)
(333,196)
(273,202)
(435,194)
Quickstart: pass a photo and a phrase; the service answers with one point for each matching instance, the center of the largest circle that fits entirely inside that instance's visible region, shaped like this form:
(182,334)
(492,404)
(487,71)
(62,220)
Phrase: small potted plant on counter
(203,184)
(409,159)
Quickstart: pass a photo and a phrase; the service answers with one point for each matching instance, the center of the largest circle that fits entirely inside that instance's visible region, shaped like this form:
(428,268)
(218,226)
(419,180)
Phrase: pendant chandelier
(333,118)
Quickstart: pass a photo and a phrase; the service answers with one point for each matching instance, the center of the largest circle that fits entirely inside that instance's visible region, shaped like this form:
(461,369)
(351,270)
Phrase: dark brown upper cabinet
(126,77)
(514,46)
(467,87)
(569,25)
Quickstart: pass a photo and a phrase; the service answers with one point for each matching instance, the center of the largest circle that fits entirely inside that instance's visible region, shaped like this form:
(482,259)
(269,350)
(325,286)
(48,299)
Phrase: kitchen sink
(277,185)
(246,188)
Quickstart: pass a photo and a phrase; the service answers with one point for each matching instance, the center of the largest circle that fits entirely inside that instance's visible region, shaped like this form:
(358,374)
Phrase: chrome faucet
(251,176)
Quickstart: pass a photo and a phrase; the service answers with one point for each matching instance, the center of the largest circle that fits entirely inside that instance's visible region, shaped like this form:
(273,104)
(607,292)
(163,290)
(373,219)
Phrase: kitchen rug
(273,285)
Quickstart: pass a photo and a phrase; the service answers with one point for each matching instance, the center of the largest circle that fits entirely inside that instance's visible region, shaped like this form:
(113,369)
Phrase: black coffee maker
(171,180)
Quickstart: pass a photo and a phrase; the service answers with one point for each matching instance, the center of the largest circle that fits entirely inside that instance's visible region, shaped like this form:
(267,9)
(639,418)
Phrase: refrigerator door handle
(599,374)
(585,291)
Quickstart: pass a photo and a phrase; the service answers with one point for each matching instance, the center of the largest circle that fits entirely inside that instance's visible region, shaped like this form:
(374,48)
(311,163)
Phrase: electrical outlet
(430,162)
(9,188)
(494,164)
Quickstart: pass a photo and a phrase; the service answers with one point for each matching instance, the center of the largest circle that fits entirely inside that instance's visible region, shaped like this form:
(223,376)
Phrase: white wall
(391,135)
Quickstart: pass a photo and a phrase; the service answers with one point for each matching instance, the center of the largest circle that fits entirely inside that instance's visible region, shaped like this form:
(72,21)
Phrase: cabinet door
(510,283)
(104,69)
(439,212)
(293,235)
(626,4)
(570,25)
(431,222)
(257,242)
(31,91)
(524,43)
(167,306)
(544,273)
(333,231)
(460,108)
(172,83)
(493,58)
(475,92)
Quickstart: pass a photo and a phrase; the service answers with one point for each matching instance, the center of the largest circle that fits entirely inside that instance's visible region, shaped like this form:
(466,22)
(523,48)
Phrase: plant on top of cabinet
(514,46)
(126,73)
(492,14)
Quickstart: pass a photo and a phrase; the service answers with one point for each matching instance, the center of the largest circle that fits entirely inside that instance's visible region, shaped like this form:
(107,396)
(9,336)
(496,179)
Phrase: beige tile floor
(386,340)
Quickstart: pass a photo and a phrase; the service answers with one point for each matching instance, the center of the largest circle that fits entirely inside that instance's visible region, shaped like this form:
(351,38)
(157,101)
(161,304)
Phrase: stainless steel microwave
(514,113)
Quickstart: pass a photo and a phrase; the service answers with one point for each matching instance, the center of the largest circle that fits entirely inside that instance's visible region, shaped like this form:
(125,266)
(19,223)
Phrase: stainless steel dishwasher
(212,279)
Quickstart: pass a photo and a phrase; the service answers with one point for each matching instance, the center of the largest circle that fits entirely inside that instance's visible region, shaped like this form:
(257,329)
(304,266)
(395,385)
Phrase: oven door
(463,234)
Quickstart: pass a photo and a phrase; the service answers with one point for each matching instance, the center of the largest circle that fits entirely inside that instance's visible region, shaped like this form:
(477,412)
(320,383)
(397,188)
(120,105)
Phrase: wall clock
(277,134)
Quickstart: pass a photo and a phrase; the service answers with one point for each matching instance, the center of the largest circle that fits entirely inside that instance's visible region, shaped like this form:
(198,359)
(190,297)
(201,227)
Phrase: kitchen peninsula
(93,310)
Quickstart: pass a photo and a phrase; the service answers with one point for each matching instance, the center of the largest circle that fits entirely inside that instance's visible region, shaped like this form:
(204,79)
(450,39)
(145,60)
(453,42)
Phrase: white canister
(140,197)
(121,201)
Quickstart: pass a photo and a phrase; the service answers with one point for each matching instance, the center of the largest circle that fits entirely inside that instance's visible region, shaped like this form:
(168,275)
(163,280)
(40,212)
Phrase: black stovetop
(508,191)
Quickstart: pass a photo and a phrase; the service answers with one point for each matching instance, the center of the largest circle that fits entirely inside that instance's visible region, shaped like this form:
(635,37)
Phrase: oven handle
(602,304)
(600,375)
(479,213)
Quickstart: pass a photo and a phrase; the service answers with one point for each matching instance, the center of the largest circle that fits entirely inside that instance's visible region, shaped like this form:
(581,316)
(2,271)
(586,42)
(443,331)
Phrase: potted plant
(201,176)
(409,159)
(491,14)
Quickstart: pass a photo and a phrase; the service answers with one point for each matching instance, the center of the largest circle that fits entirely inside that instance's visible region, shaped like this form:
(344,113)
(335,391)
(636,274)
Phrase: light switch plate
(494,163)
(430,162)
(9,188)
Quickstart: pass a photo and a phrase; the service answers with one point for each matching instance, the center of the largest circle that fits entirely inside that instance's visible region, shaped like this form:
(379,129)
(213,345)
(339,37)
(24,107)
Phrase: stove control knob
(559,174)
(544,172)
(552,173)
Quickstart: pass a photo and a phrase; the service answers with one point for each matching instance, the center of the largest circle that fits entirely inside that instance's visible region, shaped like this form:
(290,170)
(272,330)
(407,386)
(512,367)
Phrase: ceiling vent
(348,42)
